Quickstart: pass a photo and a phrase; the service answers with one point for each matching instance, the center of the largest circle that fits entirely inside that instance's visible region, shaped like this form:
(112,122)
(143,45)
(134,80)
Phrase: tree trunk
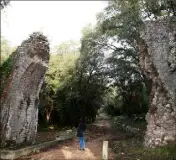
(48,113)
(19,109)
(157,46)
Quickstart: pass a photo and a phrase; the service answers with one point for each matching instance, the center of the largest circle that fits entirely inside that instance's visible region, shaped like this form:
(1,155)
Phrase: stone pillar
(20,97)
(158,62)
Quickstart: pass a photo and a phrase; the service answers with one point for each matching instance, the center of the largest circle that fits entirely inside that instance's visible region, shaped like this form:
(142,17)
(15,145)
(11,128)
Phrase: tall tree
(121,22)
(124,20)
(68,47)
(82,95)
(61,68)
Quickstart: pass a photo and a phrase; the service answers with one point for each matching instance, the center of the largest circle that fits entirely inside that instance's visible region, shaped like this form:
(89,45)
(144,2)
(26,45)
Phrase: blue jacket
(81,129)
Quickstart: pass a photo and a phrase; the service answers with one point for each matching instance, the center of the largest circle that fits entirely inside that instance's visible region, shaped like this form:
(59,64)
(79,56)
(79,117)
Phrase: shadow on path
(95,135)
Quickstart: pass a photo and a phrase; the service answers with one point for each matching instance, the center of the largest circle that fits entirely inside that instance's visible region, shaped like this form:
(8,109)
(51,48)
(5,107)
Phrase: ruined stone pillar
(20,97)
(158,62)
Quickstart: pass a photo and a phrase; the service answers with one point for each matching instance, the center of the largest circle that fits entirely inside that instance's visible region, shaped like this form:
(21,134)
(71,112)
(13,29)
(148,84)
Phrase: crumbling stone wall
(20,98)
(158,62)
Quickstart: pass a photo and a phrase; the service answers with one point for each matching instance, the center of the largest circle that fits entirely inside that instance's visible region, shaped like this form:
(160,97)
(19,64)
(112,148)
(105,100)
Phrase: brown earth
(95,135)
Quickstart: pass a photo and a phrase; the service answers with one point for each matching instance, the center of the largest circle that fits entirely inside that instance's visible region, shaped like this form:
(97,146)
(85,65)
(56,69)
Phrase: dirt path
(95,136)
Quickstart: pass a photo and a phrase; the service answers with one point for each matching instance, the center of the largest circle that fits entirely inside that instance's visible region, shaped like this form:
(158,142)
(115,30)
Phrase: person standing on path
(80,133)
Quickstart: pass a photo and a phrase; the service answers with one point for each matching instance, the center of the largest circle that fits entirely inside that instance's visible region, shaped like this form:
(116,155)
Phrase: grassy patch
(127,124)
(132,149)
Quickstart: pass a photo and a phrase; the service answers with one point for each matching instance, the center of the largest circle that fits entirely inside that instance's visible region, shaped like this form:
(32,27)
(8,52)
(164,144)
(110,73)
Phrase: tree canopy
(102,70)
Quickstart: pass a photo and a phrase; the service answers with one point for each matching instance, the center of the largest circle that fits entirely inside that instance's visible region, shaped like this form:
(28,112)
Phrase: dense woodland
(100,71)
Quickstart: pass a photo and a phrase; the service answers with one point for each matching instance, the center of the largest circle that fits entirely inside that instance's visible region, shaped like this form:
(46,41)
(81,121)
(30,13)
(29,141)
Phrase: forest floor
(95,135)
(133,149)
(123,146)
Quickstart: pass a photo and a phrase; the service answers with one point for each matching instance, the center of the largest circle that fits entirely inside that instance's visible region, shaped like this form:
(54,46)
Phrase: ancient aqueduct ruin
(157,53)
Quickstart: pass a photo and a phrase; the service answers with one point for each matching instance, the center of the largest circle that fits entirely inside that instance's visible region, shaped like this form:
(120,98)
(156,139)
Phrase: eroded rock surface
(20,98)
(158,61)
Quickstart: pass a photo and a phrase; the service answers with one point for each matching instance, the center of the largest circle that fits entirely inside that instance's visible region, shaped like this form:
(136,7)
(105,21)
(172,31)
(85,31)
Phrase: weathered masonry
(158,62)
(20,96)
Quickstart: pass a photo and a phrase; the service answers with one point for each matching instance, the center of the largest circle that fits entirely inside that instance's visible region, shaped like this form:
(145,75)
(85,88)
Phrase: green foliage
(112,102)
(68,47)
(68,105)
(46,105)
(121,23)
(126,100)
(134,149)
(5,71)
(82,95)
(60,71)
(6,65)
(132,146)
(159,8)
(6,49)
(106,72)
